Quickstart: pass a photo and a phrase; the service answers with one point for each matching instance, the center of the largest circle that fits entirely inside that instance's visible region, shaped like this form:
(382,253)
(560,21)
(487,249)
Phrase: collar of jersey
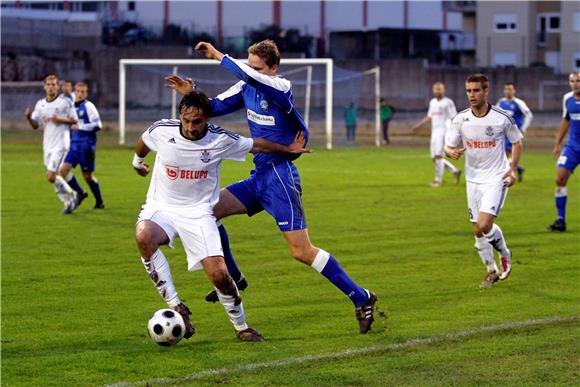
(486,113)
(188,139)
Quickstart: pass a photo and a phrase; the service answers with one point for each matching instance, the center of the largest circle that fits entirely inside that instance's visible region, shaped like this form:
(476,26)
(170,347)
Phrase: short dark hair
(267,51)
(196,99)
(68,81)
(50,77)
(478,78)
(510,84)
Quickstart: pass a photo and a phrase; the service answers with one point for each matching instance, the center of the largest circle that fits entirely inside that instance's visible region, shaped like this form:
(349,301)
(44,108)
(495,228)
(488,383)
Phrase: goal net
(320,89)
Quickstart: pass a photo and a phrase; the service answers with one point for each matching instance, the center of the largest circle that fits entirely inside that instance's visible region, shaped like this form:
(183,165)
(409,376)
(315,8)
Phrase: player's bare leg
(228,205)
(229,297)
(489,235)
(304,251)
(561,194)
(150,236)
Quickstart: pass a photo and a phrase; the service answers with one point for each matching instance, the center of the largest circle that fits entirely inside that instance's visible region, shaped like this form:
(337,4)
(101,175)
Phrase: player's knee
(50,176)
(482,228)
(561,181)
(145,241)
(304,254)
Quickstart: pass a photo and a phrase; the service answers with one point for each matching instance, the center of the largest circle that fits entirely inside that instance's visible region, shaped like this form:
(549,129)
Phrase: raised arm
(274,87)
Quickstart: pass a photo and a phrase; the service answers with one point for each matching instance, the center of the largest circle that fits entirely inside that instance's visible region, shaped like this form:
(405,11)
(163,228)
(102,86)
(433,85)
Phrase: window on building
(576,64)
(548,22)
(504,59)
(576,22)
(505,22)
(131,5)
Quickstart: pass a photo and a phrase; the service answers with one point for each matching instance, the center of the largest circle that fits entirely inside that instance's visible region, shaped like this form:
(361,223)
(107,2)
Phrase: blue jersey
(269,105)
(571,113)
(519,111)
(89,122)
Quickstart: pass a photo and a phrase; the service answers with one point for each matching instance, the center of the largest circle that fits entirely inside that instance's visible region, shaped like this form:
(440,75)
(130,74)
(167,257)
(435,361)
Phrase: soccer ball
(166,327)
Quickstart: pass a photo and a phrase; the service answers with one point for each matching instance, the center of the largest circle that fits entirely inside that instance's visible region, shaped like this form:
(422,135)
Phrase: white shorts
(488,198)
(200,236)
(437,143)
(53,158)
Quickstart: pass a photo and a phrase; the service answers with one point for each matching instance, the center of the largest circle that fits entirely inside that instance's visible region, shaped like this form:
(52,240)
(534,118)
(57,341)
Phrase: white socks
(158,269)
(62,189)
(234,309)
(496,239)
(486,253)
(439,168)
(450,167)
(561,192)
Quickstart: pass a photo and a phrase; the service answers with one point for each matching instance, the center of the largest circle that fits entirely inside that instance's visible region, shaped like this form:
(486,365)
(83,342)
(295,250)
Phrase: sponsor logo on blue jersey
(264,105)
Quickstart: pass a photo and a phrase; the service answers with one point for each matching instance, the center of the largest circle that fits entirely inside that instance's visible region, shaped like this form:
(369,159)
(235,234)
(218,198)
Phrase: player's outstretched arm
(180,85)
(262,145)
(560,137)
(141,150)
(28,113)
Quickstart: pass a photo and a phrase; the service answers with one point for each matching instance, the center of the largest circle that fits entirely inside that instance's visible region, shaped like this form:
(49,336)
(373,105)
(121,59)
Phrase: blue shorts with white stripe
(275,189)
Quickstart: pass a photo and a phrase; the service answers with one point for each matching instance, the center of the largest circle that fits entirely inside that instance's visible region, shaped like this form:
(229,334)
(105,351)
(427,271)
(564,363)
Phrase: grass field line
(447,337)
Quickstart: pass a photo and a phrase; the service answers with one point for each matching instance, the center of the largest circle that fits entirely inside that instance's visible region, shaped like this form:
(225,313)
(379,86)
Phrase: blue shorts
(82,153)
(277,190)
(569,158)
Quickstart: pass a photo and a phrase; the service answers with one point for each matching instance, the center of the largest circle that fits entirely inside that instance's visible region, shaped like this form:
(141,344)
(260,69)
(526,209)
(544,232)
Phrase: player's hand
(298,145)
(144,171)
(455,153)
(208,50)
(557,151)
(509,178)
(74,127)
(182,86)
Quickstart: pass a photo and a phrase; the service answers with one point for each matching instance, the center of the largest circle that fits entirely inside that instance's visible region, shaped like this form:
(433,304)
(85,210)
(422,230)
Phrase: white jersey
(483,139)
(56,136)
(186,175)
(441,111)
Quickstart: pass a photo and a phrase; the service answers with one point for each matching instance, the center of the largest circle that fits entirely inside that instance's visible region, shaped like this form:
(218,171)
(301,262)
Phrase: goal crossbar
(123,63)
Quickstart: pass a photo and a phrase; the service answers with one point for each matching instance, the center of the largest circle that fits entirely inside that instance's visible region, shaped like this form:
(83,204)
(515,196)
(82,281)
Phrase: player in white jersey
(184,188)
(441,112)
(480,133)
(55,115)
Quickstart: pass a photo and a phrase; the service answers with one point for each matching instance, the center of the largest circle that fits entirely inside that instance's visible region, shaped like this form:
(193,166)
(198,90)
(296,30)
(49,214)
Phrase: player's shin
(439,168)
(561,195)
(158,270)
(329,267)
(96,190)
(486,253)
(233,269)
(73,183)
(62,189)
(232,303)
(450,167)
(497,241)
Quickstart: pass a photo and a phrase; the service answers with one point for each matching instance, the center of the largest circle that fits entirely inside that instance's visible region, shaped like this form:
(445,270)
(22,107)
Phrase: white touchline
(350,352)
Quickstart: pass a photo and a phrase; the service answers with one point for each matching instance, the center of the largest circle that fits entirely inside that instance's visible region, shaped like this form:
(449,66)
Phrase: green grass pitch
(76,300)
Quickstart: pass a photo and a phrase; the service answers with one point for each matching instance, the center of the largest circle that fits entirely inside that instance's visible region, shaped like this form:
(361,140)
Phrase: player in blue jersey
(274,184)
(67,90)
(569,157)
(521,114)
(84,146)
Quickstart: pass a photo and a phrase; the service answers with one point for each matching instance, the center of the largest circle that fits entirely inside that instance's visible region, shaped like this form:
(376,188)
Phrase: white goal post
(327,62)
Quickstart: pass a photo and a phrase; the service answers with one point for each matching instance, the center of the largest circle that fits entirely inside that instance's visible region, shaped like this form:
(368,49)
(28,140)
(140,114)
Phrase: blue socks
(561,198)
(74,184)
(329,267)
(228,257)
(96,190)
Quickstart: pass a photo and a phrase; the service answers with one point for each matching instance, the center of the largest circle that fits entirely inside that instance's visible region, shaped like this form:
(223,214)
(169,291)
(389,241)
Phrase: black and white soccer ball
(166,327)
